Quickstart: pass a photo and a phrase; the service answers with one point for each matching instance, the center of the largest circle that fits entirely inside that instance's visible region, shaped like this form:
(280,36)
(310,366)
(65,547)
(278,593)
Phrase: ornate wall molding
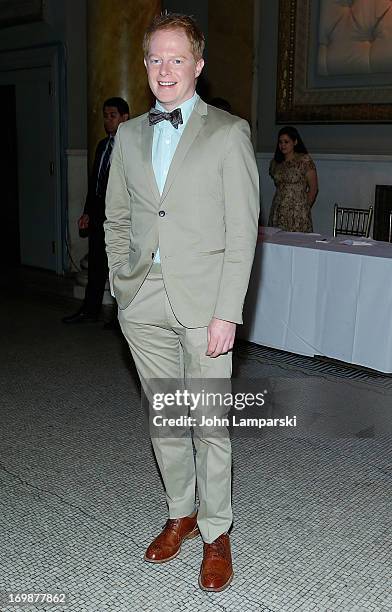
(302,98)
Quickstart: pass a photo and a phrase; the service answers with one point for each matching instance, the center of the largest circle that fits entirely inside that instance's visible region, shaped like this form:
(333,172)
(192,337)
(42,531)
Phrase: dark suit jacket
(95,205)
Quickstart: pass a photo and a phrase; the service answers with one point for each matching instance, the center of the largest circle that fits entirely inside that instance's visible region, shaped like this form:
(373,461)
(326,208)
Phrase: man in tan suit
(182,209)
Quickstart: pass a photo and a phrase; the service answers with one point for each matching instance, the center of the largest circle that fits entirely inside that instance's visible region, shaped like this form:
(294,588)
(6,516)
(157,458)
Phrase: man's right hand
(83,222)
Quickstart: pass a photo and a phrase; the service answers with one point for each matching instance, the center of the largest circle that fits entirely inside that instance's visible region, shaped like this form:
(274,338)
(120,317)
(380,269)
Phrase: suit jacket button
(162,213)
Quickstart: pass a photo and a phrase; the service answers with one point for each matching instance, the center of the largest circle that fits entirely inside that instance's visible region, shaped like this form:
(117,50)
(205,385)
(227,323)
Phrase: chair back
(390,228)
(352,221)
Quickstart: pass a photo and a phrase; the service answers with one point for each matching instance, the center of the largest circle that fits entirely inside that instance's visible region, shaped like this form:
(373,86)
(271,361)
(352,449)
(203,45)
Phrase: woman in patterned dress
(295,178)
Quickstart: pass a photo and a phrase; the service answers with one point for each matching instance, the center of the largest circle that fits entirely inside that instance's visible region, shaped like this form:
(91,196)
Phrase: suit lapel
(147,135)
(97,160)
(192,128)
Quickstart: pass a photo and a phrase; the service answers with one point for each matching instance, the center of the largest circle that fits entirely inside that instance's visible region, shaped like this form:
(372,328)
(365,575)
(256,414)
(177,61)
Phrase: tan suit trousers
(162,348)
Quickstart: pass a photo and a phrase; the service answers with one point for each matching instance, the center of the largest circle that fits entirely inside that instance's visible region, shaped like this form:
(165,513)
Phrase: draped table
(316,295)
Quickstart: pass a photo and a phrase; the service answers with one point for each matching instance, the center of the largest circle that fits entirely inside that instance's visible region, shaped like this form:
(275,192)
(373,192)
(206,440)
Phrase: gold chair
(352,221)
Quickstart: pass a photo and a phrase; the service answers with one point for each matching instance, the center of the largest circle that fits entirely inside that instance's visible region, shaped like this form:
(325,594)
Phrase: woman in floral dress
(295,178)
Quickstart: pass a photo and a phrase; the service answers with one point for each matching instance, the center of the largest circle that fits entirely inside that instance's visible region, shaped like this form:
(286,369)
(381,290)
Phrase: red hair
(176,21)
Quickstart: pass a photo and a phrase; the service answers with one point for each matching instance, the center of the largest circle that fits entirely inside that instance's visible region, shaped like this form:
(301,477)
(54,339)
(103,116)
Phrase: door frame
(52,56)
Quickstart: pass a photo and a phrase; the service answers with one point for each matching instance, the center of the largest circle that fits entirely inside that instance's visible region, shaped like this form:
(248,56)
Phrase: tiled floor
(81,497)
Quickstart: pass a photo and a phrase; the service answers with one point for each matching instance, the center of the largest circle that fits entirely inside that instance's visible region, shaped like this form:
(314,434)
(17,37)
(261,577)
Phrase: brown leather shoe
(216,571)
(167,545)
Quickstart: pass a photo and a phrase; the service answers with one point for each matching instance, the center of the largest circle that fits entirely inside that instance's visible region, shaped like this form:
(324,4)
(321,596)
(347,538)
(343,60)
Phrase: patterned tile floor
(81,497)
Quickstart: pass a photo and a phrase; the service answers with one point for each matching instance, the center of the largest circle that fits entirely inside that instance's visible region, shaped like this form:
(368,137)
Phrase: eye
(154,60)
(177,61)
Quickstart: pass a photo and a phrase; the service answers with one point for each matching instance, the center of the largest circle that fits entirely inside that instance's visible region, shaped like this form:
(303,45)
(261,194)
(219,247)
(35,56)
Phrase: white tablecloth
(316,296)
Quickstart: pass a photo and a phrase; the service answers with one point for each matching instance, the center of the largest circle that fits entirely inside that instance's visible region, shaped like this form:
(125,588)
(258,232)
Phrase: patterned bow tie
(175,117)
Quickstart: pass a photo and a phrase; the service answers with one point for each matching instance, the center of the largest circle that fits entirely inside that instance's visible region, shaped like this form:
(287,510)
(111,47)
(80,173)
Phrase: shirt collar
(186,110)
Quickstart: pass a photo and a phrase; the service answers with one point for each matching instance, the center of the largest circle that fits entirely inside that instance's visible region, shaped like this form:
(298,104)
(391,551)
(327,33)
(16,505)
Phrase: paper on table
(305,234)
(269,231)
(356,243)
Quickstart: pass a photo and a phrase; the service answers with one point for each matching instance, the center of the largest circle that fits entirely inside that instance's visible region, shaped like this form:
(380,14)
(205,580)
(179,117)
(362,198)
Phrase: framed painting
(334,61)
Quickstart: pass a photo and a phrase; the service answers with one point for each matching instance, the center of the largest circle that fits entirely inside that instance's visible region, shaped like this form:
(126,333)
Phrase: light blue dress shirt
(164,144)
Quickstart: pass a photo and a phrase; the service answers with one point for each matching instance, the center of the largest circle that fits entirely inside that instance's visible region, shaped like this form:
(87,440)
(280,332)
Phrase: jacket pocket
(212,252)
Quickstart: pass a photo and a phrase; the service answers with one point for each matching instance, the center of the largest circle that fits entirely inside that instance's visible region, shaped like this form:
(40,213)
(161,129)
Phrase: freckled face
(286,145)
(171,67)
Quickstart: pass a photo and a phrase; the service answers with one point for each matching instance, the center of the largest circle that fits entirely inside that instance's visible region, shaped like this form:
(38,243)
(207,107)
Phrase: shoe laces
(171,524)
(217,548)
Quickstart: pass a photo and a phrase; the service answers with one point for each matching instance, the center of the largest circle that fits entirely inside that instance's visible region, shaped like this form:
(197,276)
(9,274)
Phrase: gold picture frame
(297,100)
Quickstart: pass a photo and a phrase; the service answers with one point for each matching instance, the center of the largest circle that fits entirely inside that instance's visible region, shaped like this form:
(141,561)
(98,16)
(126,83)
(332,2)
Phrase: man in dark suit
(115,111)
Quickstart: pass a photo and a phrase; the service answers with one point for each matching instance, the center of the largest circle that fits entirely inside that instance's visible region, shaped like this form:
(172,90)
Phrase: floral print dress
(290,209)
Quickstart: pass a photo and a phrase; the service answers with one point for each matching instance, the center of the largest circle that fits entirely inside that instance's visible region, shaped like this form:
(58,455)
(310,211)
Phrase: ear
(145,63)
(199,67)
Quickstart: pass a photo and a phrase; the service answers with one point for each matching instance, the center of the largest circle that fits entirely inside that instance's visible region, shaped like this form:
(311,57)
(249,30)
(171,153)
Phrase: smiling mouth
(166,83)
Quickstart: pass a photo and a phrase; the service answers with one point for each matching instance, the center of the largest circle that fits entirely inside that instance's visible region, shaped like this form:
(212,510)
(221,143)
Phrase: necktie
(175,117)
(104,168)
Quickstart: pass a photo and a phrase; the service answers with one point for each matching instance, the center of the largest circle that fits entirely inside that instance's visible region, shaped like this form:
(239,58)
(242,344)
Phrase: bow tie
(175,117)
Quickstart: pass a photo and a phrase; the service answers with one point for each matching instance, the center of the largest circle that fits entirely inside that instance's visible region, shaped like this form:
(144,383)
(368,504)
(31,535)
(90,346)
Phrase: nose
(164,68)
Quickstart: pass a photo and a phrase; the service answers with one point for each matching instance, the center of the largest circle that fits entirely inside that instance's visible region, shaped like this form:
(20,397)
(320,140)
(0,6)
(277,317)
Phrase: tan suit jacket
(205,221)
